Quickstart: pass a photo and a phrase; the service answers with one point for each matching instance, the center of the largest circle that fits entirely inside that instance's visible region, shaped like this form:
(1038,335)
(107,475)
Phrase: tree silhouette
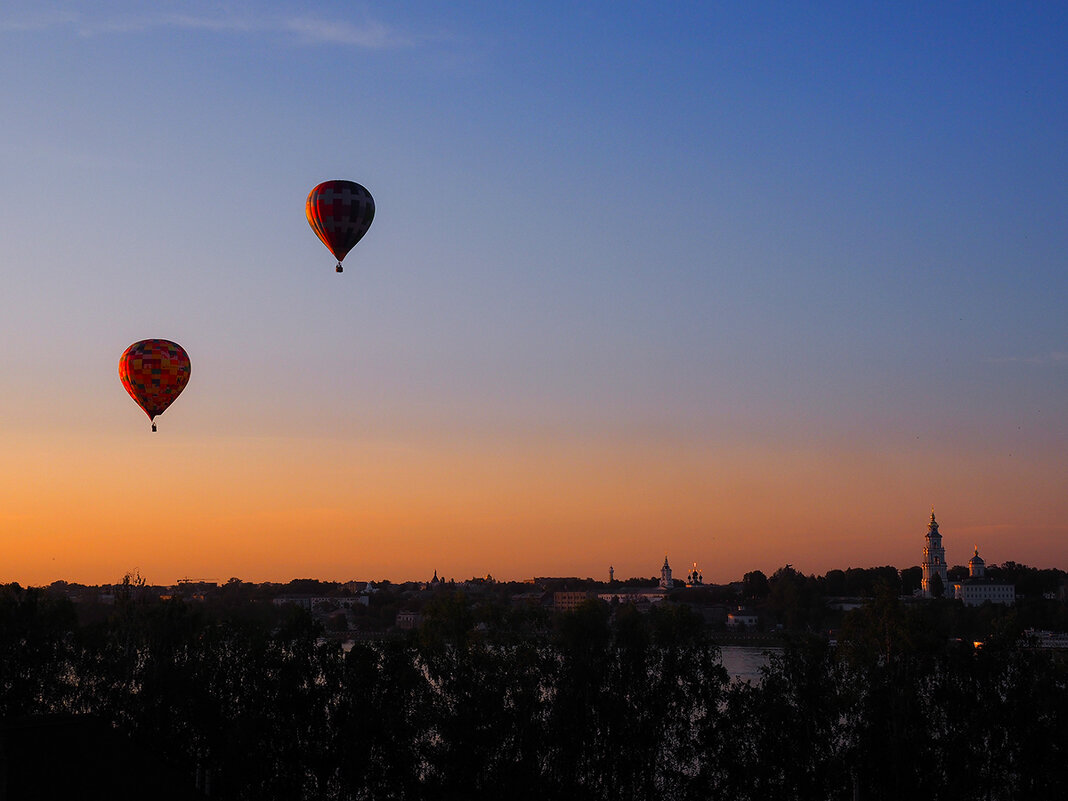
(938,587)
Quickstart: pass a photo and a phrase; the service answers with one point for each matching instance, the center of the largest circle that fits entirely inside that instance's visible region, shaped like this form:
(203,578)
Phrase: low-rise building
(742,618)
(409,620)
(979,588)
(643,599)
(568,600)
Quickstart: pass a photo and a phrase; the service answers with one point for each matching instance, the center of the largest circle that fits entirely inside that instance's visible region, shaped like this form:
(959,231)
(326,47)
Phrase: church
(974,590)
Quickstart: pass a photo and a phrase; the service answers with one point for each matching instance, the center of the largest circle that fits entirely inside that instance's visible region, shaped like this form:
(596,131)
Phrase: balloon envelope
(340,212)
(154,372)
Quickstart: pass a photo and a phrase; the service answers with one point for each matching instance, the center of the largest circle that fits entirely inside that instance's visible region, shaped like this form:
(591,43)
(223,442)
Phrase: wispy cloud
(39,21)
(371,35)
(1053,357)
(141,23)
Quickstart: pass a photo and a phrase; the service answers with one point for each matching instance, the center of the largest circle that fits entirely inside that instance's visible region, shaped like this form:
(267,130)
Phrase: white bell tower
(934,558)
(665,576)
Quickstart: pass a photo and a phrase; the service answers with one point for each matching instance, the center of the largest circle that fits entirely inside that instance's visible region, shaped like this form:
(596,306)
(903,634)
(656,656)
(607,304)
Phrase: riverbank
(753,639)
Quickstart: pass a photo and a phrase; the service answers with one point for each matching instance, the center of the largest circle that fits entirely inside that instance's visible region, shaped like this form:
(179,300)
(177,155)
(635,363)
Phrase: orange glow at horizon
(278,508)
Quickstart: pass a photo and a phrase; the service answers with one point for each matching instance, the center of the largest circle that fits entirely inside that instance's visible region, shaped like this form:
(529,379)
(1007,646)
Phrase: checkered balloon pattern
(154,372)
(340,212)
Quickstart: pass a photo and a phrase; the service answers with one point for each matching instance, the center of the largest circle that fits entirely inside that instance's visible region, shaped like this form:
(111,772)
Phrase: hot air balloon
(154,372)
(340,212)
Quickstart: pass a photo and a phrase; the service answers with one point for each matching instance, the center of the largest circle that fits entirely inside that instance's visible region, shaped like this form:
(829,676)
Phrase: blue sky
(828,237)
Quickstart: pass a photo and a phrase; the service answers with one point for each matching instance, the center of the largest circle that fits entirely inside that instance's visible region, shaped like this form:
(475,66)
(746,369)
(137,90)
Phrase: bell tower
(665,576)
(934,558)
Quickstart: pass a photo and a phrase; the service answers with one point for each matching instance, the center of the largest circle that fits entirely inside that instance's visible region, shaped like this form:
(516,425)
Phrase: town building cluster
(358,608)
(974,590)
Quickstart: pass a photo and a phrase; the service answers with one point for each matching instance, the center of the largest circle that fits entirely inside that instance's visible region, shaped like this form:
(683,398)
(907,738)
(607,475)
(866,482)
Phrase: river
(743,662)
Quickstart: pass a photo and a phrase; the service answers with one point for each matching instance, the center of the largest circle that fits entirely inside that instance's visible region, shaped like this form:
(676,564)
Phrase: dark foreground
(584,705)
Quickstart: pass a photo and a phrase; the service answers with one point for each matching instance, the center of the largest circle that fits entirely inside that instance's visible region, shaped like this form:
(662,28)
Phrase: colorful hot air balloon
(340,212)
(154,372)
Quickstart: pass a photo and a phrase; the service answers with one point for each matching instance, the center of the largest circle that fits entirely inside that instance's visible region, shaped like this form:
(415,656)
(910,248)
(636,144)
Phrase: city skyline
(691,566)
(751,286)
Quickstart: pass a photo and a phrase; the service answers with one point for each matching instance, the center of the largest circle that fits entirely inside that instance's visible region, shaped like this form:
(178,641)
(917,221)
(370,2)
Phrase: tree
(755,585)
(35,651)
(911,579)
(957,573)
(834,582)
(877,629)
(938,588)
(447,618)
(795,599)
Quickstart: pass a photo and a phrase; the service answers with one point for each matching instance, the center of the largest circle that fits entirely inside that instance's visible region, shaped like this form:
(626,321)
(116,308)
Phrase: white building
(979,588)
(643,599)
(742,618)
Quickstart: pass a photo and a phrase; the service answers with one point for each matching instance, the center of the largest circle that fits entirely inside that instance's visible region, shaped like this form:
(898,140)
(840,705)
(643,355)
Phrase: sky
(739,284)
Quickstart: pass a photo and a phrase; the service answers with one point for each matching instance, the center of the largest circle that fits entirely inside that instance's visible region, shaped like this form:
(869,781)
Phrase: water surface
(743,662)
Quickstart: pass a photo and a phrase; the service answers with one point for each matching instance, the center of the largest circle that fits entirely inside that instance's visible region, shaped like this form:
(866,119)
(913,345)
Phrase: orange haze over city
(273,508)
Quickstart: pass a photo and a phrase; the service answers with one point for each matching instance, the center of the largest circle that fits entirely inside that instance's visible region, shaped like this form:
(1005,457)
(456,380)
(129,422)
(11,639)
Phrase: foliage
(938,587)
(755,585)
(603,702)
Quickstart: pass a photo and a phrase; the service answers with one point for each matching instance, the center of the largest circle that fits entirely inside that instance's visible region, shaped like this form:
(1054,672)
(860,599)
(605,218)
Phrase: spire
(932,527)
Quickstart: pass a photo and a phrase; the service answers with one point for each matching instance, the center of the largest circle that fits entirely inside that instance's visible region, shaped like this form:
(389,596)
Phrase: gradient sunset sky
(744,284)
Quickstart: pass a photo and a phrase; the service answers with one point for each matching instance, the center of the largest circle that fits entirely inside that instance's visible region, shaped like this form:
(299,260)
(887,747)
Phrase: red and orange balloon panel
(154,372)
(340,212)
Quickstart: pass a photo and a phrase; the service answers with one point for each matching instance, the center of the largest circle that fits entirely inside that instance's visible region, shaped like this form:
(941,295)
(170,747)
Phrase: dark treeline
(600,703)
(796,601)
